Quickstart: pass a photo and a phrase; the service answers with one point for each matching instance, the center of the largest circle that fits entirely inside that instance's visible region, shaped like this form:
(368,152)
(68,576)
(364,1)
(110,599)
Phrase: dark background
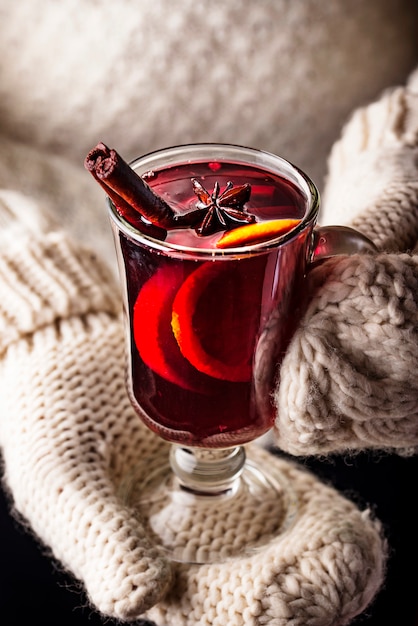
(33,589)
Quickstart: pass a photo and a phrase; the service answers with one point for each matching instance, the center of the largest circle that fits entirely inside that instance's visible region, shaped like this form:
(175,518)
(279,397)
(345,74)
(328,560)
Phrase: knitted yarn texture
(66,426)
(30,176)
(321,571)
(348,379)
(277,75)
(69,436)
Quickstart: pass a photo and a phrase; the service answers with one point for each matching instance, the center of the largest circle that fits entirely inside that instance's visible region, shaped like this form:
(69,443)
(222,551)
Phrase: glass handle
(334,240)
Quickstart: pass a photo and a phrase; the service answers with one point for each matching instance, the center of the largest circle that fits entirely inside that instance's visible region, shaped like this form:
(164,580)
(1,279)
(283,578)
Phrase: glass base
(206,506)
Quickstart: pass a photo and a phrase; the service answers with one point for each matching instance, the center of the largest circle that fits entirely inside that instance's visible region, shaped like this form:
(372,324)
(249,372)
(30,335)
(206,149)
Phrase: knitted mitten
(64,415)
(69,436)
(348,380)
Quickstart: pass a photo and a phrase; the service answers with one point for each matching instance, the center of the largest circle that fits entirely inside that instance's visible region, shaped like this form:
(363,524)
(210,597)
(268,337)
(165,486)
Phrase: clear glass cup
(206,331)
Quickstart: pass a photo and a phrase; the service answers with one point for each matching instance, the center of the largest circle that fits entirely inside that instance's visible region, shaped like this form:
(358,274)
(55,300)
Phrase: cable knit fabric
(348,379)
(69,436)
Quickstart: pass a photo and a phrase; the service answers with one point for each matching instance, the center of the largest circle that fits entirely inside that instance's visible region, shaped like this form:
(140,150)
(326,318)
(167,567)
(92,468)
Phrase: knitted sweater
(280,75)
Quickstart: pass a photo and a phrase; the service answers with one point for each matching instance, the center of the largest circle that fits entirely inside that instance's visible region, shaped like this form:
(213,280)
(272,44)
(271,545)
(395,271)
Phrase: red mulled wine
(207,331)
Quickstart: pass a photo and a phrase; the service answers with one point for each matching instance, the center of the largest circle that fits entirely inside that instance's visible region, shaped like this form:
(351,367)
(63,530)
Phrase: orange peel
(152,332)
(256,233)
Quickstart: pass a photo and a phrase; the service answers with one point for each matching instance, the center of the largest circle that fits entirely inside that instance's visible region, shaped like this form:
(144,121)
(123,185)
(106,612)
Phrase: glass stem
(207,472)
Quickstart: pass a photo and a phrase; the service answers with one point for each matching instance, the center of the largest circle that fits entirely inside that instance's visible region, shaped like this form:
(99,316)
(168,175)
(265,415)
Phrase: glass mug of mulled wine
(214,272)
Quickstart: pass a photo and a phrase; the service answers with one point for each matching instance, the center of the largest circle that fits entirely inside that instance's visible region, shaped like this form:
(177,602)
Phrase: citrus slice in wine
(153,334)
(216,317)
(256,233)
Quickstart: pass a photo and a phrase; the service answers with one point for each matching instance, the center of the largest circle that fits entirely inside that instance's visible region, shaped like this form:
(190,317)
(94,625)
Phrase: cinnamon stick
(131,216)
(128,191)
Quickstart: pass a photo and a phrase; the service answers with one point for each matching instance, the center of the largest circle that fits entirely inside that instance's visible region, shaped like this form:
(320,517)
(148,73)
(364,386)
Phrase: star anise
(222,211)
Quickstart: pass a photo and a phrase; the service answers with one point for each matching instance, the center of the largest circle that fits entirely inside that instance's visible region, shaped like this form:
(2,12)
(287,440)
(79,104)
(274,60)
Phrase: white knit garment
(280,75)
(349,377)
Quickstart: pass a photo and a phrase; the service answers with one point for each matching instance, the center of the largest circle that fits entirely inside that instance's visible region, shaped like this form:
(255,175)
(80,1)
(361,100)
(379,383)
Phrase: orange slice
(255,233)
(216,317)
(152,331)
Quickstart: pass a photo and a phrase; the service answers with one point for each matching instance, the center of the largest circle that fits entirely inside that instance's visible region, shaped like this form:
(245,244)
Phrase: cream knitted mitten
(64,413)
(348,380)
(69,436)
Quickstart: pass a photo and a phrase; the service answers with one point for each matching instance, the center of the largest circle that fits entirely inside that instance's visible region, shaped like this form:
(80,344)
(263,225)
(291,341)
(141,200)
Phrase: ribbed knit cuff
(44,278)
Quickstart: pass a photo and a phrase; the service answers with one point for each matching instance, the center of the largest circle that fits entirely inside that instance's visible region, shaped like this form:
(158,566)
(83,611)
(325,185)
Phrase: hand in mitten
(69,437)
(348,380)
(64,414)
